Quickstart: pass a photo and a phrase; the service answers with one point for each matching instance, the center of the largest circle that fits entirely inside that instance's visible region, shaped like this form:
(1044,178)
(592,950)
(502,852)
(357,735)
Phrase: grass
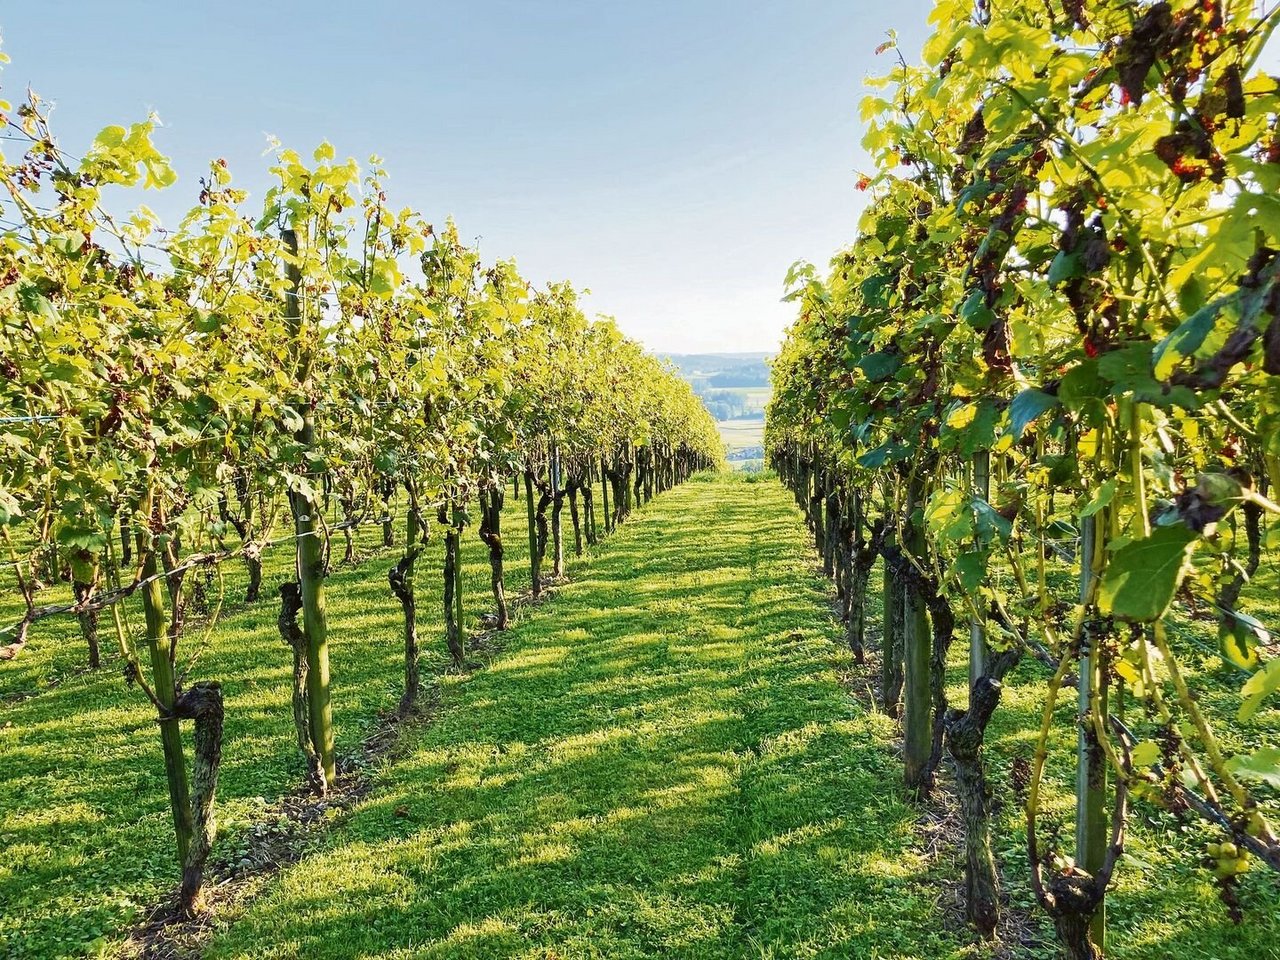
(85,830)
(1162,902)
(659,763)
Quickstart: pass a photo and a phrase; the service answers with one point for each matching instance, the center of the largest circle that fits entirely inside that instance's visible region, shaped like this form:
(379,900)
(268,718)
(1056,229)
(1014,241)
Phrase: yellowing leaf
(1146,753)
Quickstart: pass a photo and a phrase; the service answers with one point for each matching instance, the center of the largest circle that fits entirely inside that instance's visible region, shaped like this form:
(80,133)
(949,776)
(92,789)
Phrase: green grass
(1162,902)
(85,830)
(658,763)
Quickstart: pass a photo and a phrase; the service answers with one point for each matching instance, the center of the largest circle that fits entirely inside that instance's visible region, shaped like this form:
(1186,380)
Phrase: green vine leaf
(879,366)
(1145,754)
(1184,341)
(1143,576)
(1239,637)
(1026,408)
(885,453)
(1258,687)
(1263,765)
(1103,497)
(1065,266)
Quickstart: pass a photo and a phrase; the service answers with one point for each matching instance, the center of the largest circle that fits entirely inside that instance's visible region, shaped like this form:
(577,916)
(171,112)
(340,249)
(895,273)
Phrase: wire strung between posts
(323,301)
(43,418)
(105,600)
(1268,854)
(32,142)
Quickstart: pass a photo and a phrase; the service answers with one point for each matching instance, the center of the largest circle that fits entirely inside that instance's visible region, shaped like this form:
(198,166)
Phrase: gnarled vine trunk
(917,727)
(891,672)
(831,528)
(88,620)
(589,508)
(544,527)
(291,633)
(126,540)
(491,534)
(164,686)
(202,703)
(388,516)
(576,519)
(965,735)
(253,565)
(311,540)
(862,555)
(604,493)
(402,582)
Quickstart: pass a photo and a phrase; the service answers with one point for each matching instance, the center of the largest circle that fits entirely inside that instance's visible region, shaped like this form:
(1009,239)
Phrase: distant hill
(734,387)
(704,364)
(708,371)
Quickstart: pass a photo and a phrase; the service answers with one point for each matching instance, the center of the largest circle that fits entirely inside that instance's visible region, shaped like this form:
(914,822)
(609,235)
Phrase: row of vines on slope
(1043,386)
(172,400)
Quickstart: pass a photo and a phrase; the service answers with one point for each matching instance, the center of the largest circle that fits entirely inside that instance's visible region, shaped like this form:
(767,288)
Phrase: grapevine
(1042,385)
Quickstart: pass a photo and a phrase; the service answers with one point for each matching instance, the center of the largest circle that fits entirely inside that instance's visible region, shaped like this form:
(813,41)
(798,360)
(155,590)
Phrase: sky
(673,157)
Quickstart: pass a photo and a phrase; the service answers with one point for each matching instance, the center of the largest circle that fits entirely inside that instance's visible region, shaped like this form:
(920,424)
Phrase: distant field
(727,370)
(741,433)
(756,397)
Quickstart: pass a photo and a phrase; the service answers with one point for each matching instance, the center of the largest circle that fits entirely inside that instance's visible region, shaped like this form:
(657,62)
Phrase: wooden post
(917,726)
(535,564)
(557,505)
(979,649)
(1091,764)
(891,644)
(604,490)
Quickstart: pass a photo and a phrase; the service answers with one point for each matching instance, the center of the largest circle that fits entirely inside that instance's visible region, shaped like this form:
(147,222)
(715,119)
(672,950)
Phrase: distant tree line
(725,404)
(751,375)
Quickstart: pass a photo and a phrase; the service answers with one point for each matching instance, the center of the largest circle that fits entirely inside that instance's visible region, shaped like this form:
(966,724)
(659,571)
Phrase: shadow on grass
(659,764)
(85,832)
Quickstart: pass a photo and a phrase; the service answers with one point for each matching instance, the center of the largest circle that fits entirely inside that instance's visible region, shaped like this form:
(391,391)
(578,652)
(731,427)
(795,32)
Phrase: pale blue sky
(675,157)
